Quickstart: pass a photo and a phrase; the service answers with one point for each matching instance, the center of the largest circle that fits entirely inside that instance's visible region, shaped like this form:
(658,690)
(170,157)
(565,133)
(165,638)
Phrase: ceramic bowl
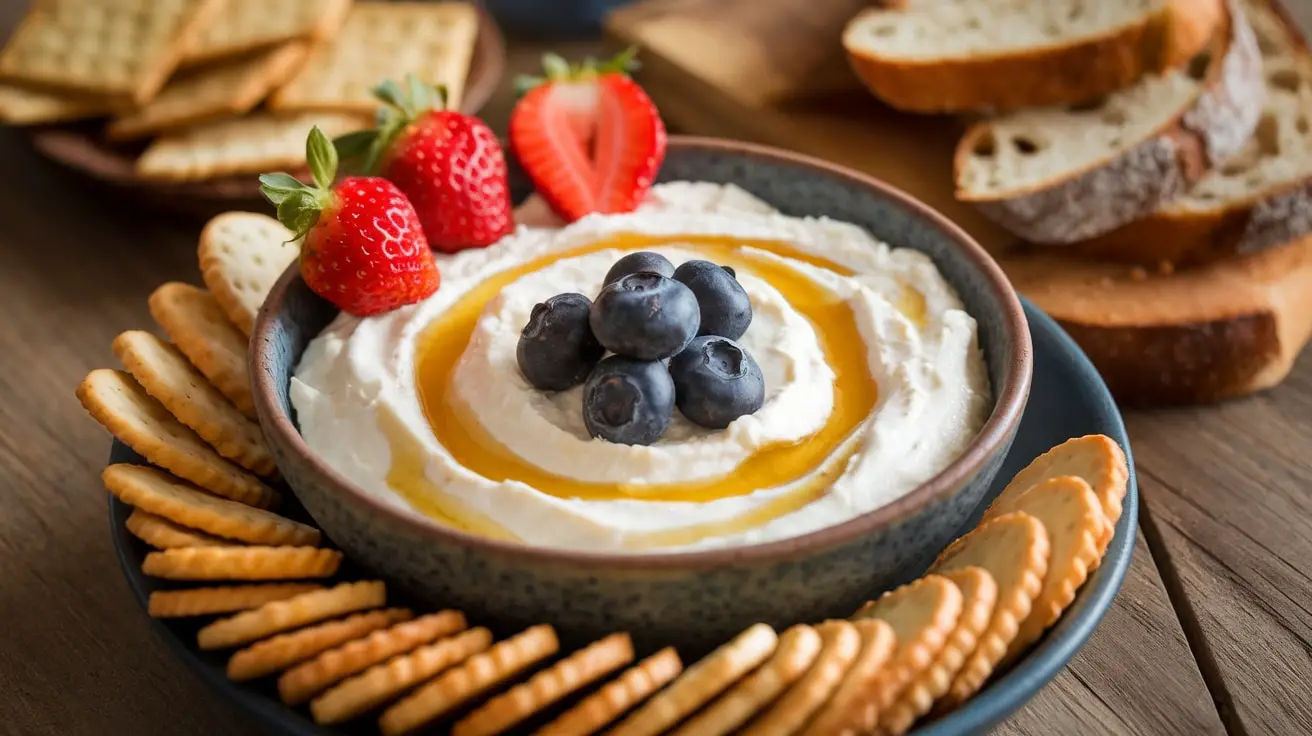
(695,598)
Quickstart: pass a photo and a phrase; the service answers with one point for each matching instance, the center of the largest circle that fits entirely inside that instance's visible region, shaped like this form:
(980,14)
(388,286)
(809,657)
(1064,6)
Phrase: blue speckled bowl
(696,598)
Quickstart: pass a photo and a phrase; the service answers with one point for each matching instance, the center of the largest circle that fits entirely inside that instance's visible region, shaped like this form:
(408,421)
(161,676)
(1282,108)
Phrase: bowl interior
(798,186)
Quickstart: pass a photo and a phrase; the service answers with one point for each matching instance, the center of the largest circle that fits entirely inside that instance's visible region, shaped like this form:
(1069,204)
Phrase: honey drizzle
(444,341)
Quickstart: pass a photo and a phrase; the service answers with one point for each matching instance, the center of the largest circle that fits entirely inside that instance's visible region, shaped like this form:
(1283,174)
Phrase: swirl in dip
(874,383)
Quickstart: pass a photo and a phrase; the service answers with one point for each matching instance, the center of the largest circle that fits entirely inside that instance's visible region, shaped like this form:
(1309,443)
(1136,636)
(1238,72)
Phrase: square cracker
(385,41)
(118,49)
(250,145)
(249,25)
(22,106)
(212,92)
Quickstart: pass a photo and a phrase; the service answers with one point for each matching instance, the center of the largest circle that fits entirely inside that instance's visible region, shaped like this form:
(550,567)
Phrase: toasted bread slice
(1260,198)
(1061,175)
(1221,330)
(936,56)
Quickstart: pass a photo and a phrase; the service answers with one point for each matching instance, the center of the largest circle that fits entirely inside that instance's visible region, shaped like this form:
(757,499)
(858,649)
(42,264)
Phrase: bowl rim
(1012,396)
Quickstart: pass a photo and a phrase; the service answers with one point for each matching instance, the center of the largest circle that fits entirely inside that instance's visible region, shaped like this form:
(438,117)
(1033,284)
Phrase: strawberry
(449,164)
(589,137)
(362,247)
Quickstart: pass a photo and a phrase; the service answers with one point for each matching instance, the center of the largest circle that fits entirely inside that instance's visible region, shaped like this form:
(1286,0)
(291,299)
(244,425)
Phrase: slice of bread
(1058,175)
(1217,331)
(941,56)
(1261,197)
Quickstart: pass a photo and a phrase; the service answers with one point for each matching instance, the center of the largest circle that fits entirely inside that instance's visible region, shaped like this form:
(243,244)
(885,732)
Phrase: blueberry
(725,309)
(716,381)
(643,260)
(645,315)
(556,348)
(628,401)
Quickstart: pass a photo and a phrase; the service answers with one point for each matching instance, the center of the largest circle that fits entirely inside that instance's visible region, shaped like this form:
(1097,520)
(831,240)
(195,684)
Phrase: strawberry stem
(299,204)
(401,106)
(556,69)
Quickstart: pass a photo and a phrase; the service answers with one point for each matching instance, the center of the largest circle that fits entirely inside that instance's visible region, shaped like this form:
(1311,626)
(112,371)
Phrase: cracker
(923,614)
(473,677)
(242,563)
(161,494)
(224,90)
(701,682)
(1013,549)
(167,375)
(244,26)
(617,696)
(840,644)
(279,616)
(252,144)
(118,402)
(224,599)
(1073,517)
(877,645)
(434,41)
(242,255)
(303,682)
(280,652)
(587,665)
(797,649)
(1096,458)
(161,533)
(385,682)
(118,49)
(978,595)
(195,323)
(22,106)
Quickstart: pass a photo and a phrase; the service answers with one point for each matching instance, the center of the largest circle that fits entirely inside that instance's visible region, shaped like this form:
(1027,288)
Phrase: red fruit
(589,137)
(362,247)
(449,164)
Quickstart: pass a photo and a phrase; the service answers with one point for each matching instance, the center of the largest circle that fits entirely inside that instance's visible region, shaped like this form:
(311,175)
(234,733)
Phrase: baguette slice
(1221,330)
(1061,175)
(1258,199)
(946,56)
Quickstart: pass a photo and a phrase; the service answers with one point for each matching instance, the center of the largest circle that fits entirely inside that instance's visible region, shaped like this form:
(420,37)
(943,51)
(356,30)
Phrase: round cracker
(701,682)
(1073,516)
(472,678)
(797,648)
(278,616)
(877,645)
(242,563)
(167,375)
(222,599)
(587,665)
(978,596)
(277,653)
(196,323)
(840,644)
(617,696)
(1013,549)
(242,255)
(923,614)
(1096,458)
(161,533)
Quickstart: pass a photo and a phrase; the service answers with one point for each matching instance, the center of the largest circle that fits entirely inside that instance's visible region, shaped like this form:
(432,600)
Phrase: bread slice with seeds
(1260,198)
(966,55)
(1197,335)
(1060,175)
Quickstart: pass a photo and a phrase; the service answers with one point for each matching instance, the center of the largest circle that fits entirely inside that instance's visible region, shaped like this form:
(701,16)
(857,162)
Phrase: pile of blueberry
(673,333)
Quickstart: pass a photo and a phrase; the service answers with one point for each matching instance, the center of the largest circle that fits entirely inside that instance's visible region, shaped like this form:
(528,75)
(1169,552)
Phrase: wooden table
(1211,633)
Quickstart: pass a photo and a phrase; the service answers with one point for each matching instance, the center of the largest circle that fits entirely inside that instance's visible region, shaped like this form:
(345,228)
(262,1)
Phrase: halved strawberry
(588,136)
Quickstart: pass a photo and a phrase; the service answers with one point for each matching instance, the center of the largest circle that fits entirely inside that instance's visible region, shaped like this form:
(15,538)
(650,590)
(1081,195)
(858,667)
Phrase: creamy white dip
(358,402)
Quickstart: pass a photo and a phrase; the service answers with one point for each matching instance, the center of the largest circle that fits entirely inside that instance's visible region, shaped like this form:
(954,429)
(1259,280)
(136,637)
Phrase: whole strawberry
(362,247)
(449,164)
(588,136)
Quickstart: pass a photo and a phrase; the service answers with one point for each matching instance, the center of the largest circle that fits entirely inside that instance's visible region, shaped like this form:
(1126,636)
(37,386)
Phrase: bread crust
(1073,74)
(1141,179)
(1193,336)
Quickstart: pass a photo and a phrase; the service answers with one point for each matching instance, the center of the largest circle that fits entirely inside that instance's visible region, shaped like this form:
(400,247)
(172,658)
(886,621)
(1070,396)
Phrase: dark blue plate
(1068,399)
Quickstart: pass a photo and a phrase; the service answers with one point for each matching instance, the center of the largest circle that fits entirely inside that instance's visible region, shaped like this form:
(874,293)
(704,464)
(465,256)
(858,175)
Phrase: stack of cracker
(216,88)
(206,502)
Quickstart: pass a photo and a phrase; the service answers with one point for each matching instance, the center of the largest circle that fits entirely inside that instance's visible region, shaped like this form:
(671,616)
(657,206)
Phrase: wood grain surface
(1211,633)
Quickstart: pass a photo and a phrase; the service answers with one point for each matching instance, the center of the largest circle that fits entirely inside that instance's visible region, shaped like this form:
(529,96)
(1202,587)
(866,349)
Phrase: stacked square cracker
(217,88)
(1157,160)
